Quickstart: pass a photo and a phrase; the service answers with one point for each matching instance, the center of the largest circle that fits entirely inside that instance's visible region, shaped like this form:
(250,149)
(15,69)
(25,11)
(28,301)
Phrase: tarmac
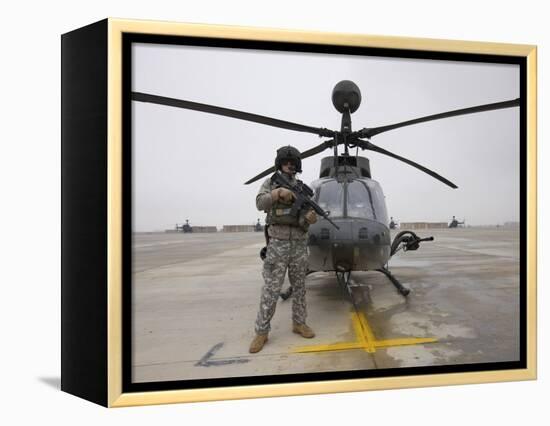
(196,296)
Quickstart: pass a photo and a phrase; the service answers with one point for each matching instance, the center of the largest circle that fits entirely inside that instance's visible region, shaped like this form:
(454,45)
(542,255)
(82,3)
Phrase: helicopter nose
(358,245)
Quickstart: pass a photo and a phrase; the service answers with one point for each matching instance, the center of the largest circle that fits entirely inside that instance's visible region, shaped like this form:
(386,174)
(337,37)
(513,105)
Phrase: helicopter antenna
(346,127)
(335,153)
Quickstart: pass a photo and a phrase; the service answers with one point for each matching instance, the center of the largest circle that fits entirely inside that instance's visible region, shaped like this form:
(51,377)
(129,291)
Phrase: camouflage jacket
(280,232)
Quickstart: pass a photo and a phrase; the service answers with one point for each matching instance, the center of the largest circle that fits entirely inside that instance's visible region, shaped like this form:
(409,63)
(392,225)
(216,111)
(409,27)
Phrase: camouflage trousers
(282,255)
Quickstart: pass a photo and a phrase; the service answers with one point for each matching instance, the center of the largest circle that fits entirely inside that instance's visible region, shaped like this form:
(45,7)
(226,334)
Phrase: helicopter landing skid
(403,290)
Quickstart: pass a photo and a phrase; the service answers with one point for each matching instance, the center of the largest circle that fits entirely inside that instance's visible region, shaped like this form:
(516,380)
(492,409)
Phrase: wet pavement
(195,299)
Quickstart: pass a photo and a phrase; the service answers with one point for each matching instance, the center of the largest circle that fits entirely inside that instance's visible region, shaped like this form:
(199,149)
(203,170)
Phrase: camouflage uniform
(287,249)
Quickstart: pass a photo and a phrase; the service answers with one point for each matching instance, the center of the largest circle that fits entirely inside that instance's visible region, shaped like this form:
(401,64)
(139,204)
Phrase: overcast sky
(192,165)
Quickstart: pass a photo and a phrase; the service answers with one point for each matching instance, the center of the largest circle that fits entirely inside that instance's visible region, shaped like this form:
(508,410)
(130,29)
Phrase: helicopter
(454,223)
(185,228)
(355,235)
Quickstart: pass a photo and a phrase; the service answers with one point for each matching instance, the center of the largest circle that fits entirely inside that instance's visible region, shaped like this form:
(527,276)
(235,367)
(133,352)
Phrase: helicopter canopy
(357,198)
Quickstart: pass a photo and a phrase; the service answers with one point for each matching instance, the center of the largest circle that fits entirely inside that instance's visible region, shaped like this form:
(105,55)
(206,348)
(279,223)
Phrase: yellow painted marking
(403,342)
(333,347)
(365,339)
(371,339)
(362,336)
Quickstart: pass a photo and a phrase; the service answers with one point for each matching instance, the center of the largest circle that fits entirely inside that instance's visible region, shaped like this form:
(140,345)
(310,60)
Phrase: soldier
(287,249)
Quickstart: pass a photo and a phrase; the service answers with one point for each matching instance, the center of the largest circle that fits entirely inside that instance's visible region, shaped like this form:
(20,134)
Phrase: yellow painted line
(403,342)
(369,335)
(366,339)
(332,347)
(360,333)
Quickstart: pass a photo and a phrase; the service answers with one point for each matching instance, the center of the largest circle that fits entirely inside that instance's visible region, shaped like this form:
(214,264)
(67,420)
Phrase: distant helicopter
(360,241)
(186,228)
(454,223)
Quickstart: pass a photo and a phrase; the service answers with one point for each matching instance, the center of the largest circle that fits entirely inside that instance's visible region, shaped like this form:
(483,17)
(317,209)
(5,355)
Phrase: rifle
(302,194)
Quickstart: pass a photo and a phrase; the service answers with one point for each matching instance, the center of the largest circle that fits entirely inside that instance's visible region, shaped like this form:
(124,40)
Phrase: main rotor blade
(368,133)
(316,150)
(241,115)
(369,146)
(261,175)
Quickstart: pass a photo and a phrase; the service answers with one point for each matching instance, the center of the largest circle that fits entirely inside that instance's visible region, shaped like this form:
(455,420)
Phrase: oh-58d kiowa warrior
(345,190)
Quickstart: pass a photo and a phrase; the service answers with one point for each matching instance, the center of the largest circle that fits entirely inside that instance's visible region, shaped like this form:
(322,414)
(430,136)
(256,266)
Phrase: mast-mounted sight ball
(346,92)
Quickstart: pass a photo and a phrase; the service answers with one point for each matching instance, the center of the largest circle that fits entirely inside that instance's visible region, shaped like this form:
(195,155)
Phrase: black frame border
(84,194)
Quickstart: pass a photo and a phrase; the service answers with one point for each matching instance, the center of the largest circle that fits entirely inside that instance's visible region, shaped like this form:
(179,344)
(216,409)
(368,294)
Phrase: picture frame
(98,207)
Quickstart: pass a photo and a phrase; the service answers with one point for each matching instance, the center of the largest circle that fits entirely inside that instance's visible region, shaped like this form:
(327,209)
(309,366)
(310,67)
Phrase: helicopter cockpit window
(331,197)
(366,200)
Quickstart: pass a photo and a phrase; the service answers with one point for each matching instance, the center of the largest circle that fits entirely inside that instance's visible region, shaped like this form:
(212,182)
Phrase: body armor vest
(280,215)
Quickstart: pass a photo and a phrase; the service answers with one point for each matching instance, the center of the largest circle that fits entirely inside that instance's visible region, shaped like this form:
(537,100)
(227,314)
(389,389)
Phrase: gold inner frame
(116,27)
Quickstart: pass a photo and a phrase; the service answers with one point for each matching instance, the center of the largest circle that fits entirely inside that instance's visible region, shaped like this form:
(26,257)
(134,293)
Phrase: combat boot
(258,343)
(303,330)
